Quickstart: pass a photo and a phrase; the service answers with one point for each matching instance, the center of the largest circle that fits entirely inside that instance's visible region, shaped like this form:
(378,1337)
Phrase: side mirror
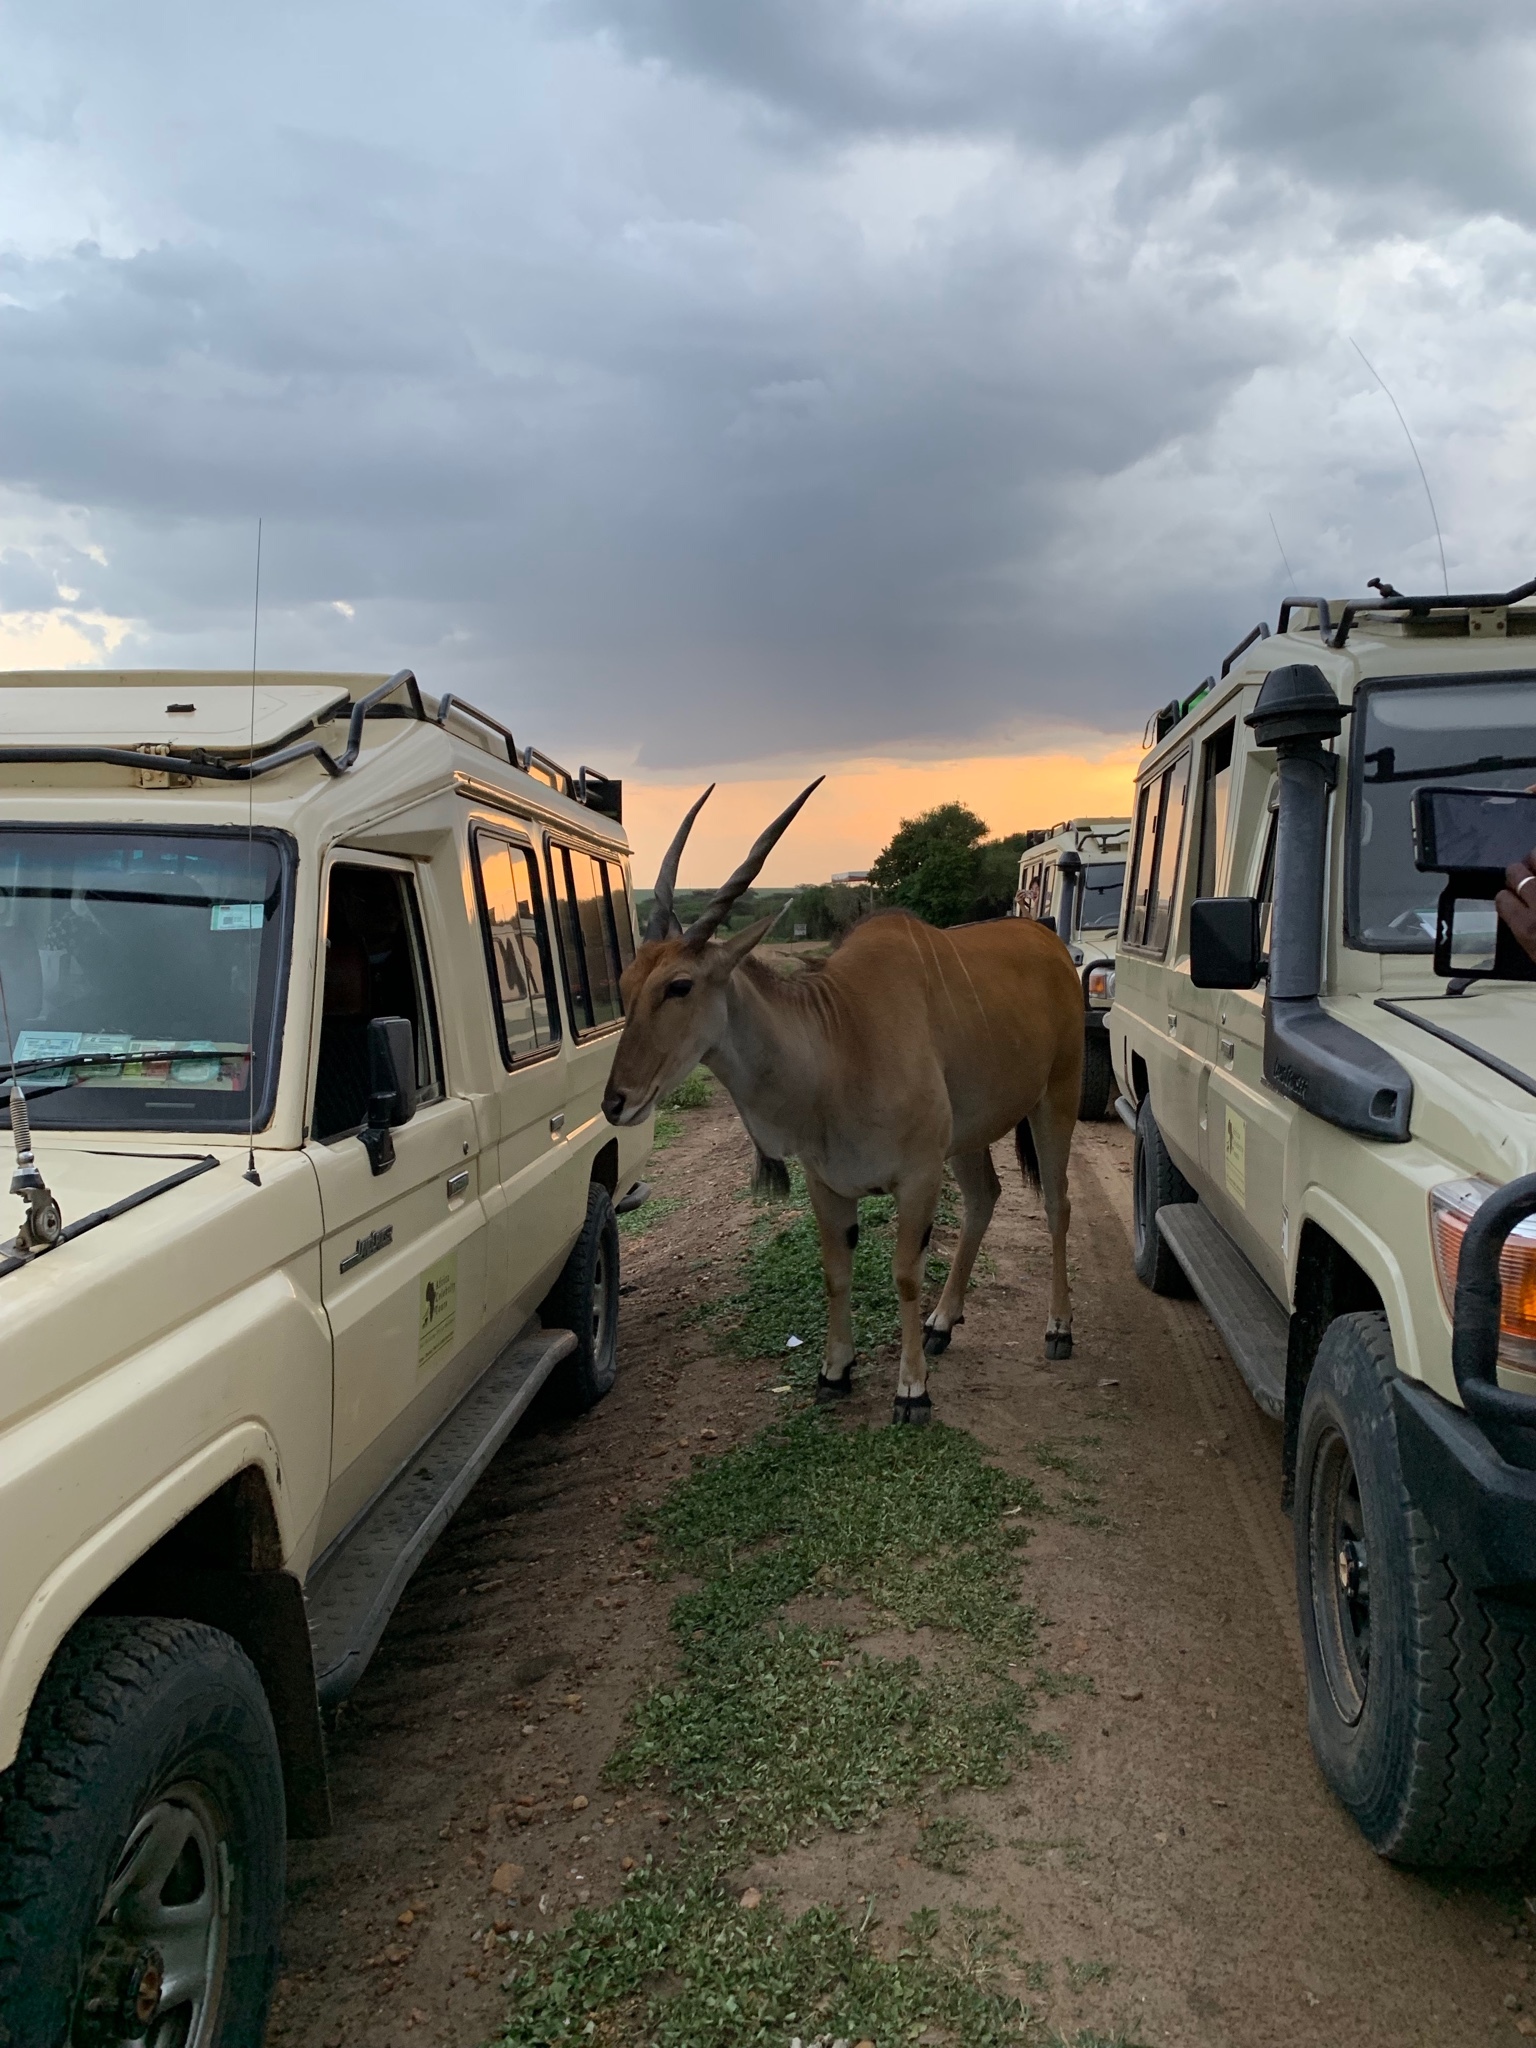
(1224,949)
(1070,870)
(391,1086)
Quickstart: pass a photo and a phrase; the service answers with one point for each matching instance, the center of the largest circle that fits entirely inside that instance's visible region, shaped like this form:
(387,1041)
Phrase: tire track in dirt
(1248,1438)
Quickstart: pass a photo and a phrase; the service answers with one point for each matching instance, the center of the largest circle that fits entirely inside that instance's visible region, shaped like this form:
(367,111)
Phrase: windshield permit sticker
(436,1308)
(236,917)
(1236,1152)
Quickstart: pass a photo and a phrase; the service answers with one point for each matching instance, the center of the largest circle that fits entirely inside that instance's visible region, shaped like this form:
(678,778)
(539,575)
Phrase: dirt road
(1174,1867)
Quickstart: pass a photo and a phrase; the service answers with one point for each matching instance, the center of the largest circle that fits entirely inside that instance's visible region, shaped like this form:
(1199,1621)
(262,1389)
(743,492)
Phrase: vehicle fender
(80,1580)
(1373,1255)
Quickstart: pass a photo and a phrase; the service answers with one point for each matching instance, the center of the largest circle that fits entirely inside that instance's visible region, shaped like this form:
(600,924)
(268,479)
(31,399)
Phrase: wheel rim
(1340,1577)
(155,1968)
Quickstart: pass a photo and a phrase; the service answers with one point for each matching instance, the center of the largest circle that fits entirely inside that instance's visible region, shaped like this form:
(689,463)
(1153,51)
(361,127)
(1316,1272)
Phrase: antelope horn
(718,909)
(661,923)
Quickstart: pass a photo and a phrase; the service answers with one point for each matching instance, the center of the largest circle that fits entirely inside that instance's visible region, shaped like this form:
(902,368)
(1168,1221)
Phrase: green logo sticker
(435,1309)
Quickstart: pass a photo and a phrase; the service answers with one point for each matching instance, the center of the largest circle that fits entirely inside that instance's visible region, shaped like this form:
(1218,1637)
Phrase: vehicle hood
(123,1282)
(1461,1104)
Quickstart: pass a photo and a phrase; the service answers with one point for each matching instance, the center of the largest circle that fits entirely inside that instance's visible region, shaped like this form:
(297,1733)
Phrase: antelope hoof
(935,1342)
(1058,1343)
(916,1409)
(838,1389)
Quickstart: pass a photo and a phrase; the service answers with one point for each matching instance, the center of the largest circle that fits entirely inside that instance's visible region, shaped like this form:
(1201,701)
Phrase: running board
(1249,1320)
(354,1589)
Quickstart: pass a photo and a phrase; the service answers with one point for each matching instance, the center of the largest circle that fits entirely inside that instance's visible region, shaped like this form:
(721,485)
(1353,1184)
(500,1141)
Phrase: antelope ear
(729,953)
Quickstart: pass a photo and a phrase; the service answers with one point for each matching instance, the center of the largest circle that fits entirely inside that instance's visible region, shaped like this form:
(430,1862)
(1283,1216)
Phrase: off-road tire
(131,1709)
(1435,1757)
(1094,1097)
(586,1299)
(1156,1183)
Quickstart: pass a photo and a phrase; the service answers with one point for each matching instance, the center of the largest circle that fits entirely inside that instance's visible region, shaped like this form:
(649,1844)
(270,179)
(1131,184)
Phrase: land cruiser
(309,988)
(1330,1084)
(1072,879)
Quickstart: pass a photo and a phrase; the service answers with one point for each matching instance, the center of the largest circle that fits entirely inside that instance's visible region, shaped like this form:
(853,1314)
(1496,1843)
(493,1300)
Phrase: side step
(1250,1322)
(354,1588)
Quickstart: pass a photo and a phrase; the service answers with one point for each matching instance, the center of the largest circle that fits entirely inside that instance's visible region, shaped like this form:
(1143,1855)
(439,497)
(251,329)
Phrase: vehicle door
(1173,1065)
(535,1203)
(594,923)
(1246,1121)
(403,1256)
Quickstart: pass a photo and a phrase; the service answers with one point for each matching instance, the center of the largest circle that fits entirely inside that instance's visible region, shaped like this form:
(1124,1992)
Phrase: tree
(826,909)
(943,867)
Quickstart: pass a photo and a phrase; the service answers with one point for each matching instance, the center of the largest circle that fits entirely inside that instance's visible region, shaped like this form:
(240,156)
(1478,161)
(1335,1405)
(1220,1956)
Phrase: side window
(1266,889)
(1141,862)
(1047,888)
(375,966)
(589,945)
(623,911)
(1170,838)
(1215,795)
(516,948)
(1159,836)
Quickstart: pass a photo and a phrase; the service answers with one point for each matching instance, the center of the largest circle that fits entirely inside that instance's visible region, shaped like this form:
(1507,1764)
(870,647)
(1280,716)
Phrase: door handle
(1229,1050)
(458,1183)
(1173,1024)
(557,1123)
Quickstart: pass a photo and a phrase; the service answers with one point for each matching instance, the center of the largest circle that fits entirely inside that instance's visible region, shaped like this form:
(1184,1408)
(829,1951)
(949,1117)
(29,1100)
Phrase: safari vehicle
(1331,1087)
(311,986)
(1073,880)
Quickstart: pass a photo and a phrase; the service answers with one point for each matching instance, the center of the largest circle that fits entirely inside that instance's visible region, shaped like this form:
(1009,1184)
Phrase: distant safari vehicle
(1073,881)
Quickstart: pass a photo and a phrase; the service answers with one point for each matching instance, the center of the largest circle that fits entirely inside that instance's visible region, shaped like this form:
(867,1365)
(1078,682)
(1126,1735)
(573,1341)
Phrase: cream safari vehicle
(1328,1055)
(311,987)
(1073,880)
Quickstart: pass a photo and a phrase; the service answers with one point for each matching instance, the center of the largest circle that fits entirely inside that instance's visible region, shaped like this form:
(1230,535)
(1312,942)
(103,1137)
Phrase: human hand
(1516,905)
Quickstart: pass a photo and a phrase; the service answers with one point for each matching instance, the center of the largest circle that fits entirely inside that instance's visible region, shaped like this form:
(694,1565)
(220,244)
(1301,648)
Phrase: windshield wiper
(1384,761)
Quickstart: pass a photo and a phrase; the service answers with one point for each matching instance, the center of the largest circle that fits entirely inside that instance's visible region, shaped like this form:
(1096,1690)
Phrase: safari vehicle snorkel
(1314,1059)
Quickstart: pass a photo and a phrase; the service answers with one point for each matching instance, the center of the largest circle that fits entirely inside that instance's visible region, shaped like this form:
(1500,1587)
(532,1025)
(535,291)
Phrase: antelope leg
(979,1189)
(1053,1123)
(837,1219)
(916,1200)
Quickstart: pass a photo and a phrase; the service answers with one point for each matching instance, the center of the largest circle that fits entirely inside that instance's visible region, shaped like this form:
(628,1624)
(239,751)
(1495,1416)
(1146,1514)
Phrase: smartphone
(1469,831)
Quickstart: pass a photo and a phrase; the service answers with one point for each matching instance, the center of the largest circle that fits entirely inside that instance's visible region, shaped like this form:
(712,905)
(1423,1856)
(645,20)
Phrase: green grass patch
(694,1093)
(779,1727)
(636,1221)
(738,1978)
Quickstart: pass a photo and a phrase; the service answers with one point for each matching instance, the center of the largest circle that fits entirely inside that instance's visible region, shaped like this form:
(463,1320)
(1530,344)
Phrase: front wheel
(1421,1698)
(586,1299)
(1155,1184)
(141,1845)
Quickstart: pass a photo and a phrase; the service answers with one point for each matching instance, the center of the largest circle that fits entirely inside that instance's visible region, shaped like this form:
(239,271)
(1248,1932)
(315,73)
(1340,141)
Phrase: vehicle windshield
(1103,881)
(147,965)
(1479,734)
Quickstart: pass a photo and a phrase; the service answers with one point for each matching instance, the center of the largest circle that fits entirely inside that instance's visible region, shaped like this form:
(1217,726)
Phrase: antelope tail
(1029,1158)
(770,1177)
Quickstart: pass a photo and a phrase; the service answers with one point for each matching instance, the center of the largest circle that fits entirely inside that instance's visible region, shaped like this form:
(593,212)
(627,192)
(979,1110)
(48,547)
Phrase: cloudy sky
(906,387)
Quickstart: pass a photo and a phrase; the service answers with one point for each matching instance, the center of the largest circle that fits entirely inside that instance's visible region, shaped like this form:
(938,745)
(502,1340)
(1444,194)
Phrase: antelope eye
(679,988)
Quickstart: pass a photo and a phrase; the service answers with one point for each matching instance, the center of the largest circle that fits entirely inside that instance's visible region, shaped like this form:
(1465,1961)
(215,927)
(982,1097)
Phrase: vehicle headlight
(1101,987)
(1452,1206)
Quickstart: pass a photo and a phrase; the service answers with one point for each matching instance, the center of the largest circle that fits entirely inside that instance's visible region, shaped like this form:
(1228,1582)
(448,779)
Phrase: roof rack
(1162,722)
(200,764)
(1394,601)
(601,793)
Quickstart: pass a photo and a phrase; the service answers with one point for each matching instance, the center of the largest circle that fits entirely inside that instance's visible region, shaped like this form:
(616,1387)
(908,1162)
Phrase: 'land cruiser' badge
(1237,1159)
(435,1309)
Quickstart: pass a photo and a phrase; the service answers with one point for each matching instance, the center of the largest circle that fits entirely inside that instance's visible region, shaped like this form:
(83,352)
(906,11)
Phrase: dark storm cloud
(732,381)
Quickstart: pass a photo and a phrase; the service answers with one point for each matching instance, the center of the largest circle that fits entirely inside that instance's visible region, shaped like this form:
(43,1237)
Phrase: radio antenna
(252,929)
(1280,544)
(1423,479)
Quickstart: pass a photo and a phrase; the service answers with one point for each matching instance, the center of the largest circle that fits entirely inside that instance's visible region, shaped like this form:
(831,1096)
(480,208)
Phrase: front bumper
(1483,1506)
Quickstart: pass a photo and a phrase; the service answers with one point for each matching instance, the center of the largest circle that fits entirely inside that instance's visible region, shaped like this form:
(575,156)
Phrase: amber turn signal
(1452,1206)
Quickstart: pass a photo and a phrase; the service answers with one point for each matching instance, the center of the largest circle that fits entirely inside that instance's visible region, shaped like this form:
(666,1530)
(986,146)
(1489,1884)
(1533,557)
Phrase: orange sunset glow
(862,802)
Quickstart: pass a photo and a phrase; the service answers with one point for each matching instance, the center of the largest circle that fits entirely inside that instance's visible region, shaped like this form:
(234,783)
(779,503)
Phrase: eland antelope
(910,1048)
